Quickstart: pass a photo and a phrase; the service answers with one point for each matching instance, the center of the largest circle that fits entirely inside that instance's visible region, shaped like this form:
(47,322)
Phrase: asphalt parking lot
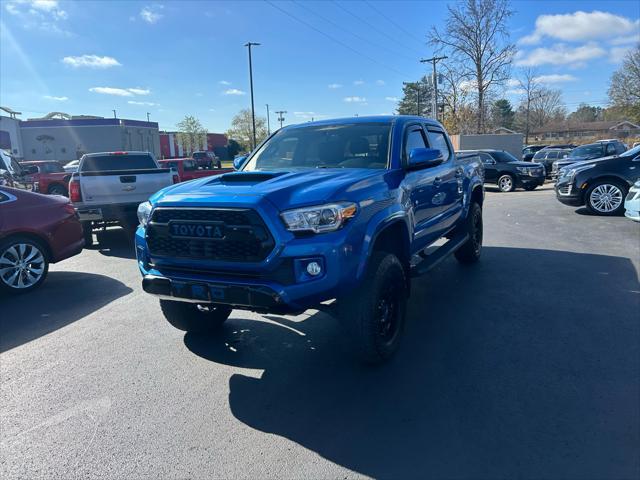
(526,365)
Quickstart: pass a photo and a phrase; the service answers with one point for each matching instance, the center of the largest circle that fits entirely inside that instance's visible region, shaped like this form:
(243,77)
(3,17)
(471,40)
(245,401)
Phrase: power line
(360,37)
(397,25)
(370,25)
(364,55)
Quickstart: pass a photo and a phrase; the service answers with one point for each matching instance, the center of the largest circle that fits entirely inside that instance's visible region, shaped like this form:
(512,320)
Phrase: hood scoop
(244,178)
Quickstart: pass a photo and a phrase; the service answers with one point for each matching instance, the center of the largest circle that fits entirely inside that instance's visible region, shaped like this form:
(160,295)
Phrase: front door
(490,167)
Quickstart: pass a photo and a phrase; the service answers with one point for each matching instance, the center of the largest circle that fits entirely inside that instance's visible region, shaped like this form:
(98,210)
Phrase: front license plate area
(193,291)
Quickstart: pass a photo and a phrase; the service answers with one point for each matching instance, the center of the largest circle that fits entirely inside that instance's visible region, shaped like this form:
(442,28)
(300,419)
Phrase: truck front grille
(246,237)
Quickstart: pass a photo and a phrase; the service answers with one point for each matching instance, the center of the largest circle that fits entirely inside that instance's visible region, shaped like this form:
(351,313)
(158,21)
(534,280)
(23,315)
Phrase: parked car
(591,151)
(547,156)
(11,173)
(599,184)
(188,169)
(35,230)
(507,172)
(632,202)
(47,176)
(72,166)
(529,151)
(109,186)
(336,209)
(206,159)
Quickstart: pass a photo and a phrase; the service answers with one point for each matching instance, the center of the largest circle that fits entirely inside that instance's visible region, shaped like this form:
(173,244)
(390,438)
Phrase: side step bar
(433,259)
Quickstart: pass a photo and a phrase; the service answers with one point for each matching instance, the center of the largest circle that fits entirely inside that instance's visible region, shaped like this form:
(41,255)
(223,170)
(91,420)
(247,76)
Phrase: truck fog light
(314,269)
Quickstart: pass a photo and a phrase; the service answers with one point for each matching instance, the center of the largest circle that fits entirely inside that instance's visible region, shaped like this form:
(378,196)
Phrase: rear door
(120,178)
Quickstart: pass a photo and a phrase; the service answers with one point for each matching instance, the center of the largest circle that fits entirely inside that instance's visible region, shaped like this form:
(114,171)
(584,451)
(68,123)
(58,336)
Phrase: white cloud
(333,86)
(517,91)
(41,14)
(580,26)
(148,104)
(56,99)
(468,85)
(358,82)
(560,54)
(91,61)
(305,115)
(151,14)
(120,92)
(224,82)
(392,99)
(555,78)
(234,91)
(355,99)
(139,91)
(380,83)
(635,38)
(618,54)
(513,82)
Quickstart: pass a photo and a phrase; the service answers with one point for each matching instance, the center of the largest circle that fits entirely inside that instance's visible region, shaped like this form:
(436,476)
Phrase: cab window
(189,166)
(414,139)
(439,142)
(611,149)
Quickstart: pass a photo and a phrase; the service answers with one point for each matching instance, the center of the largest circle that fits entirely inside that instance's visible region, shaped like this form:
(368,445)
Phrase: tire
(58,190)
(471,250)
(375,313)
(87,232)
(506,183)
(191,317)
(606,197)
(530,188)
(24,265)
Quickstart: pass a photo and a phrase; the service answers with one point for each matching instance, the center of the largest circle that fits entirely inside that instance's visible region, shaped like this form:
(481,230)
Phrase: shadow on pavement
(115,242)
(525,364)
(63,298)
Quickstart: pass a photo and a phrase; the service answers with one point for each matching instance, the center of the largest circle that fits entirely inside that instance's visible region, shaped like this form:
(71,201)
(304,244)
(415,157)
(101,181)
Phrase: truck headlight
(144,212)
(523,170)
(323,218)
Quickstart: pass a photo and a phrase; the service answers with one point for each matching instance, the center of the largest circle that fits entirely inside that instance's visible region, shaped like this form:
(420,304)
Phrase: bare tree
(454,97)
(242,130)
(547,106)
(530,90)
(624,90)
(476,34)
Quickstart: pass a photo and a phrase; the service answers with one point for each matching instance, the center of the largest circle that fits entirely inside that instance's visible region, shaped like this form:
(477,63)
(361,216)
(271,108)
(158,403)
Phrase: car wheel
(470,251)
(23,265)
(192,317)
(606,197)
(506,183)
(58,190)
(375,313)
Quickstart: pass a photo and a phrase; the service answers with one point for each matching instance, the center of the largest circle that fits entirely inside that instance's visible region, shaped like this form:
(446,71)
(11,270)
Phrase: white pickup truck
(108,187)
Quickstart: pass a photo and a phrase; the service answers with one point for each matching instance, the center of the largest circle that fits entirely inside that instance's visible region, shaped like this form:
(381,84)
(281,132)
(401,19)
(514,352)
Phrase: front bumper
(632,204)
(568,194)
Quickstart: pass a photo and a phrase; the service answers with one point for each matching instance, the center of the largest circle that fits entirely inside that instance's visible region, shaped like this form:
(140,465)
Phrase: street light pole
(268,121)
(147,116)
(114,114)
(434,60)
(253,111)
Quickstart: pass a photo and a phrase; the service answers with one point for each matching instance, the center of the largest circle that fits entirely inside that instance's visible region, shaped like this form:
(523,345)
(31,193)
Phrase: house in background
(586,131)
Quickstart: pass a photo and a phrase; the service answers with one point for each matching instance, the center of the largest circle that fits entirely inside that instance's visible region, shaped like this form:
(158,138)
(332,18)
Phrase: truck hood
(284,189)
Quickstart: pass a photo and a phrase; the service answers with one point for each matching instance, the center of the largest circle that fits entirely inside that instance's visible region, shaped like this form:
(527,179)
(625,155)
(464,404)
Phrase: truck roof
(401,119)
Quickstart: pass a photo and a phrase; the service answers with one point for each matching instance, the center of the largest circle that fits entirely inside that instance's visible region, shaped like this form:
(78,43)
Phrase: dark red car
(35,230)
(47,176)
(188,168)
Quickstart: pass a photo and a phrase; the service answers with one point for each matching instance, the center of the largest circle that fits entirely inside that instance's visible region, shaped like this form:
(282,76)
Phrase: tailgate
(125,186)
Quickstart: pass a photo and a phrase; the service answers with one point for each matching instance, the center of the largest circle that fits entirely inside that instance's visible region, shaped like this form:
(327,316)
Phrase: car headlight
(144,213)
(523,170)
(322,218)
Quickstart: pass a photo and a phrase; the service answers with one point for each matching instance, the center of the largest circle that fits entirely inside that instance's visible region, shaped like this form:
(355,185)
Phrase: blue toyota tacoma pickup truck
(335,214)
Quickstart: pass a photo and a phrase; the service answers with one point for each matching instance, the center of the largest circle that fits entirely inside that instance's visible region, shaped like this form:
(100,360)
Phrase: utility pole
(148,116)
(253,111)
(268,121)
(434,60)
(415,85)
(114,114)
(280,116)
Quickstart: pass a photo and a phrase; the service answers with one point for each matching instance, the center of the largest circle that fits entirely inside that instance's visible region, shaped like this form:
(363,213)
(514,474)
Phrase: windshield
(587,151)
(504,157)
(358,145)
(101,163)
(631,153)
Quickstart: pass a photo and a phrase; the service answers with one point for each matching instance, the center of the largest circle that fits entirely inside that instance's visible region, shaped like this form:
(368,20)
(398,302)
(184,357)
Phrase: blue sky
(317,59)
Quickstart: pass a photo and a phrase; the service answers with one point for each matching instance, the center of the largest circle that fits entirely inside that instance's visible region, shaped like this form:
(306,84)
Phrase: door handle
(459,172)
(437,181)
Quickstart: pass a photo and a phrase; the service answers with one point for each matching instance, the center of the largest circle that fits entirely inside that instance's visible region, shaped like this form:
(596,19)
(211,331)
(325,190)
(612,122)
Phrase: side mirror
(238,162)
(31,170)
(424,158)
(489,162)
